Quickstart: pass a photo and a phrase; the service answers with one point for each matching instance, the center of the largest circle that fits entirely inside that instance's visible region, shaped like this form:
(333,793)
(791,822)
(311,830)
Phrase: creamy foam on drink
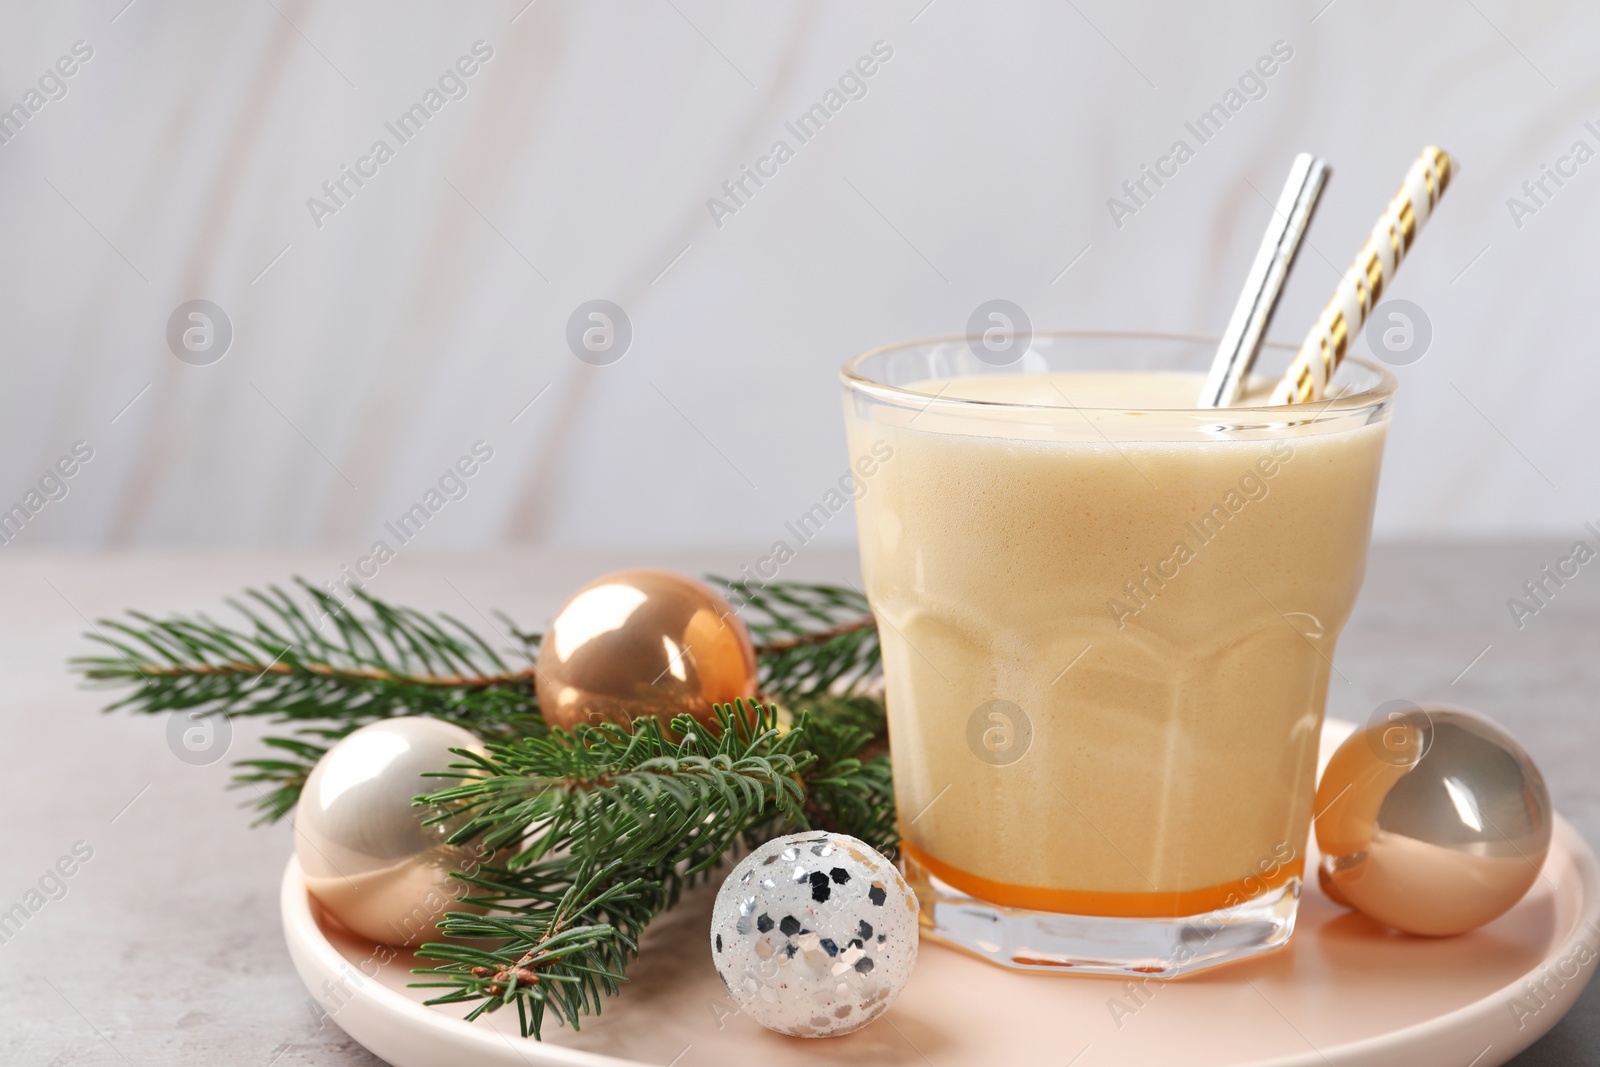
(1158,599)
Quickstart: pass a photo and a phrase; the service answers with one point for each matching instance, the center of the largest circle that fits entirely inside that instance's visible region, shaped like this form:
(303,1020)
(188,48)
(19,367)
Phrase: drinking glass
(1107,637)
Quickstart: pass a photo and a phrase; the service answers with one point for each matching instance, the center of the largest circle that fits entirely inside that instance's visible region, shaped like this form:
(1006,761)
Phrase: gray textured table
(165,946)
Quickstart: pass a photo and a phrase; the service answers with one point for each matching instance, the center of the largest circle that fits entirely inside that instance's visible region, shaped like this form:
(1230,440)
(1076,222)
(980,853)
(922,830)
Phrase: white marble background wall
(372,352)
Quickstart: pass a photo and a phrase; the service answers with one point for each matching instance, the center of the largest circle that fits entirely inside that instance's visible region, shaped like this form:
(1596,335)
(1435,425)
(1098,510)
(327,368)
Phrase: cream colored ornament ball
(366,855)
(1433,820)
(643,642)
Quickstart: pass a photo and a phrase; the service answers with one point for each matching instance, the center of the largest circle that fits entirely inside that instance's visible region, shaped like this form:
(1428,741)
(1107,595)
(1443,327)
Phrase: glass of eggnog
(1108,620)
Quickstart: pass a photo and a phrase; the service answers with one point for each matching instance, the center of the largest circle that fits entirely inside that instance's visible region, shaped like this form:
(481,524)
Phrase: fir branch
(627,794)
(293,665)
(325,665)
(596,831)
(562,948)
(330,666)
(609,826)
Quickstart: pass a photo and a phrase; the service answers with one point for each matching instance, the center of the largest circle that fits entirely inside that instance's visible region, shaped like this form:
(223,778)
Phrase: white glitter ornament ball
(814,934)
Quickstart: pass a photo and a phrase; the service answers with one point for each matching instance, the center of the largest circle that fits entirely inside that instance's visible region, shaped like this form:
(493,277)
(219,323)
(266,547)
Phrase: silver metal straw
(1252,314)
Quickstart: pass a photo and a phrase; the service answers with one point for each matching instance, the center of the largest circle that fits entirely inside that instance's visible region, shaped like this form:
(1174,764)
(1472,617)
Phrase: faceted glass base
(1093,944)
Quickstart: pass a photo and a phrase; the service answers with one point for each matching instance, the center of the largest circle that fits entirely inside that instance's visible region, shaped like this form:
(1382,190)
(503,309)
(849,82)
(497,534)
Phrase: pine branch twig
(322,665)
(594,832)
(329,666)
(607,826)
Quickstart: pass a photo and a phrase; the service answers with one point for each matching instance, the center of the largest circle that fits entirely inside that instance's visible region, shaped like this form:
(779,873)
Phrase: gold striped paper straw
(1325,346)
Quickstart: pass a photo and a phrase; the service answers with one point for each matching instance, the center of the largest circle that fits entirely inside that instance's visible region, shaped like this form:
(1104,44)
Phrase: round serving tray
(1344,991)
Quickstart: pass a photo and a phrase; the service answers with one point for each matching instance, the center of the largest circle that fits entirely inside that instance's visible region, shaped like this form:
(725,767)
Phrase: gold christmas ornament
(1433,820)
(362,845)
(643,642)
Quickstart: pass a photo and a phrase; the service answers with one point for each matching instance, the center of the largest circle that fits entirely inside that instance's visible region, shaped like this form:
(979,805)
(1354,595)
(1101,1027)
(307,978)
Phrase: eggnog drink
(1108,631)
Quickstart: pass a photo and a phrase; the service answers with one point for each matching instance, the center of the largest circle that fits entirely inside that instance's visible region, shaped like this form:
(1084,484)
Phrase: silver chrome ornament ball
(362,845)
(1432,820)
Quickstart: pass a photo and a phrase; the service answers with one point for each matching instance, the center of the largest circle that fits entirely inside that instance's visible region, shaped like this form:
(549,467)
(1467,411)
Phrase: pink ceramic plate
(1345,991)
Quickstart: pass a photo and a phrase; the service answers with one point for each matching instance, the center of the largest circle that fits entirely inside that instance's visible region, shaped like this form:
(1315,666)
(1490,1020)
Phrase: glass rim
(854,379)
